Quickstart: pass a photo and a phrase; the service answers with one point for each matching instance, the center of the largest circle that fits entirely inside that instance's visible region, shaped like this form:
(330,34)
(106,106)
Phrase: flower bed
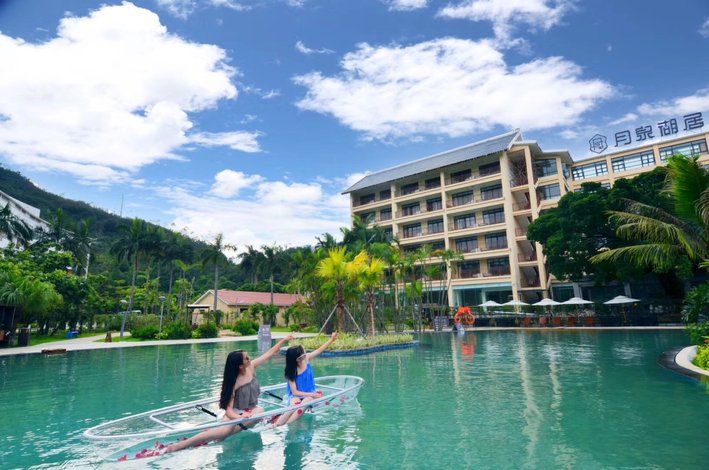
(353,345)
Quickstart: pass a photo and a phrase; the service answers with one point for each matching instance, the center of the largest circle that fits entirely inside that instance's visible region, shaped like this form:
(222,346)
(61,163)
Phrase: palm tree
(130,245)
(339,270)
(370,277)
(250,261)
(213,254)
(666,238)
(14,228)
(271,258)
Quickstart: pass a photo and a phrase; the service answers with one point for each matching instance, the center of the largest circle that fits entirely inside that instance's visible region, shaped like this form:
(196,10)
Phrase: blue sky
(249,118)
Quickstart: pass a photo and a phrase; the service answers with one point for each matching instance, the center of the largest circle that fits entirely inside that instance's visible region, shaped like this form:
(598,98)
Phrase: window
(434,204)
(413,230)
(411,248)
(690,149)
(496,241)
(368,217)
(460,176)
(637,160)
(491,192)
(489,169)
(469,269)
(545,168)
(409,188)
(494,216)
(435,226)
(462,198)
(385,214)
(433,183)
(439,245)
(549,191)
(464,221)
(466,245)
(498,266)
(388,233)
(565,170)
(386,194)
(366,199)
(590,170)
(410,209)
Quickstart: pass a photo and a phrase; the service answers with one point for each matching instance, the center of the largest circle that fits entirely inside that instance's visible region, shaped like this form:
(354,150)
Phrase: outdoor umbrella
(516,304)
(489,303)
(577,301)
(621,299)
(546,303)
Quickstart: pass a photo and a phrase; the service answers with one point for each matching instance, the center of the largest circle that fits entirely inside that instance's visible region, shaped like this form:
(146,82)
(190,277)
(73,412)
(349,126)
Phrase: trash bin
(24,338)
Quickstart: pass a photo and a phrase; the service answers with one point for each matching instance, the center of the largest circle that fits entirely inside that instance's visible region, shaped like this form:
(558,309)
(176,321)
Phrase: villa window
(491,192)
(385,214)
(433,183)
(385,194)
(464,221)
(411,248)
(413,230)
(589,171)
(496,241)
(466,245)
(368,217)
(498,266)
(690,149)
(435,226)
(469,269)
(636,160)
(494,216)
(439,245)
(434,204)
(366,199)
(389,233)
(409,188)
(489,169)
(410,209)
(460,176)
(545,167)
(550,191)
(462,198)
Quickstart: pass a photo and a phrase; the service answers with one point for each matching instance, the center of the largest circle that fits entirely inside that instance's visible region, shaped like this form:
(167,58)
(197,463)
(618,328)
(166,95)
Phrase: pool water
(489,399)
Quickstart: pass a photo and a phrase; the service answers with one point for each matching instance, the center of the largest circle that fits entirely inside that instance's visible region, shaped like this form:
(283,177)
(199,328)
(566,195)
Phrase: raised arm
(268,354)
(327,344)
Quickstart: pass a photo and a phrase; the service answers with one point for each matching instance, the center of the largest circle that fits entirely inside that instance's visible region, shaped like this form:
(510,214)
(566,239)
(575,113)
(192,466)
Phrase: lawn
(36,339)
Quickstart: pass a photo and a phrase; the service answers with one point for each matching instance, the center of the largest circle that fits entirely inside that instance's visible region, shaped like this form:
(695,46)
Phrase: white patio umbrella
(577,301)
(515,303)
(490,303)
(546,303)
(621,299)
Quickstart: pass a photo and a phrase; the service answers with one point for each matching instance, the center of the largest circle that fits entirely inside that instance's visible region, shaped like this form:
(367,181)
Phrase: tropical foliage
(348,342)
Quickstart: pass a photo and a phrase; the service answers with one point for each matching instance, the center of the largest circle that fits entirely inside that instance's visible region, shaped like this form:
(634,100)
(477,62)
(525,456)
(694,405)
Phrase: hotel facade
(479,200)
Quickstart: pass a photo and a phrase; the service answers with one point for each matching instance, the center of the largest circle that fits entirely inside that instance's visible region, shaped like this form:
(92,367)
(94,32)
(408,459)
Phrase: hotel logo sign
(598,143)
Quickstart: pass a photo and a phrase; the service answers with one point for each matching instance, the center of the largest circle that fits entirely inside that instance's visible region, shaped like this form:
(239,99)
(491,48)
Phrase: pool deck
(90,342)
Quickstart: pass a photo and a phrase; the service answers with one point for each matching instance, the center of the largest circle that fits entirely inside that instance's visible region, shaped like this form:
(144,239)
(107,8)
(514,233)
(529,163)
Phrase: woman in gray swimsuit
(239,396)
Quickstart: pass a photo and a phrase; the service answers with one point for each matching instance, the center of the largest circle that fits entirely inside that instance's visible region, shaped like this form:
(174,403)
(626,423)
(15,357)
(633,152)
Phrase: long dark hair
(231,371)
(292,355)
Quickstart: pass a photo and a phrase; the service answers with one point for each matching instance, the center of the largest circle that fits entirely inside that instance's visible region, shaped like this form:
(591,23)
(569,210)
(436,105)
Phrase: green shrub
(696,304)
(294,327)
(145,332)
(177,330)
(246,327)
(702,357)
(207,330)
(697,332)
(347,342)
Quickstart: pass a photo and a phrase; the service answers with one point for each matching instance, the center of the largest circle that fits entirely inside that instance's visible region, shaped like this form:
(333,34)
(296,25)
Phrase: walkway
(90,342)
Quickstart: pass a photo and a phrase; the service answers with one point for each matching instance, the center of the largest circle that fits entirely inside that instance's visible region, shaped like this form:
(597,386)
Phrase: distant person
(239,396)
(300,386)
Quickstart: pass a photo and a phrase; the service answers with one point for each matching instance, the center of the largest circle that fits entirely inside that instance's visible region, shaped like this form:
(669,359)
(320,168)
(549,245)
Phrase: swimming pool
(489,399)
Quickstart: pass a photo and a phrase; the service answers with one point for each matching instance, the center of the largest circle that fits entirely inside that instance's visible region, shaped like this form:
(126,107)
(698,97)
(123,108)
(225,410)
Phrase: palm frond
(658,256)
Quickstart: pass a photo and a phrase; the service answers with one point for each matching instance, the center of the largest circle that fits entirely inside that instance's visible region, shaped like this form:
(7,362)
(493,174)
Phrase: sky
(249,118)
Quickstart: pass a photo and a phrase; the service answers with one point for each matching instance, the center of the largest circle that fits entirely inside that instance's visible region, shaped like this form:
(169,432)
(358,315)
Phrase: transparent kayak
(203,414)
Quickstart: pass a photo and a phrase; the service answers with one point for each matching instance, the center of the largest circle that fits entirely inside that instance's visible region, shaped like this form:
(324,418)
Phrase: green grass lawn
(36,339)
(115,338)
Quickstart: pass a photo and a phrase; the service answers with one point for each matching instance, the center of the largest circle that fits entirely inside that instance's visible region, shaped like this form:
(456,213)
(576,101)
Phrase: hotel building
(23,212)
(478,200)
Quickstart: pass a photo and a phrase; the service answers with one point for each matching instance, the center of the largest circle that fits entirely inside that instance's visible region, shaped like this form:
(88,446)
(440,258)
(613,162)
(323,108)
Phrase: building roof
(243,298)
(447,158)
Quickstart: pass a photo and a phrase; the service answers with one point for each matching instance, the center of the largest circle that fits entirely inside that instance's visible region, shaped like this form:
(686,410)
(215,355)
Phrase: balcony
(527,257)
(416,234)
(536,282)
(482,249)
(472,274)
(368,201)
(521,181)
(420,210)
(460,203)
(521,206)
(520,232)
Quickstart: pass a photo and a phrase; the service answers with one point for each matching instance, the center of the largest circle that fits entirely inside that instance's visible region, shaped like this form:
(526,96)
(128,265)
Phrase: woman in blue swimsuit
(300,387)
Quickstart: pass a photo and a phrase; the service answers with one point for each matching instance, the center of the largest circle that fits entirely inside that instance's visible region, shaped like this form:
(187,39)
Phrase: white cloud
(704,28)
(273,211)
(678,106)
(296,3)
(303,49)
(629,117)
(111,92)
(450,87)
(179,8)
(407,5)
(506,15)
(228,183)
(240,140)
(230,4)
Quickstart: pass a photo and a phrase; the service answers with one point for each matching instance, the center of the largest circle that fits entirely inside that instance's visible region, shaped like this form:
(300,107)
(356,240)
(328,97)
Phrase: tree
(370,277)
(340,271)
(13,228)
(664,239)
(213,255)
(130,245)
(272,256)
(251,259)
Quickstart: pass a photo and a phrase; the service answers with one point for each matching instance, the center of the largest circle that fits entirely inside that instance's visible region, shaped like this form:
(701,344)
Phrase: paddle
(201,408)
(272,394)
